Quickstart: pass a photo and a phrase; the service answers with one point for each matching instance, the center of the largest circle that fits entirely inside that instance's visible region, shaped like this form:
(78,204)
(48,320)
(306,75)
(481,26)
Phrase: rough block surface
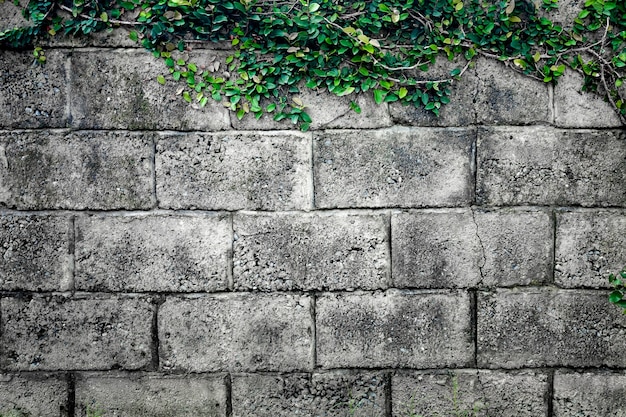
(41,395)
(234,171)
(590,245)
(549,327)
(59,333)
(150,395)
(35,250)
(174,253)
(589,394)
(311,251)
(394,329)
(333,394)
(76,170)
(545,166)
(395,167)
(236,332)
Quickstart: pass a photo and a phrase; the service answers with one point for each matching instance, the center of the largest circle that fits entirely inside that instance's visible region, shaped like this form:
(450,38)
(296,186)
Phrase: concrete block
(549,327)
(170,253)
(233,171)
(323,251)
(545,166)
(396,329)
(589,394)
(34,394)
(435,249)
(36,252)
(117,89)
(397,167)
(236,332)
(33,96)
(472,393)
(566,13)
(11,15)
(76,170)
(332,394)
(59,333)
(590,245)
(151,395)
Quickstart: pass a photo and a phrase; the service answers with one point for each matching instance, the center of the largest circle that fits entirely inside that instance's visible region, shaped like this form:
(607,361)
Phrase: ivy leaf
(161,79)
(379,96)
(510,7)
(313,7)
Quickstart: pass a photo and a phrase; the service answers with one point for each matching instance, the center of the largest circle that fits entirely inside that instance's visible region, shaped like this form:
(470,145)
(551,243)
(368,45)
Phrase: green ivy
(618,296)
(382,47)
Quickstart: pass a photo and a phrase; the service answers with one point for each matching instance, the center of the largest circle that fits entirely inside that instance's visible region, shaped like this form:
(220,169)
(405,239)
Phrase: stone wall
(163,260)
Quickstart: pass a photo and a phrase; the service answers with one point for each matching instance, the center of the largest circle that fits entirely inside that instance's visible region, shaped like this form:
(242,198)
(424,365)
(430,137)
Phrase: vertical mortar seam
(72,255)
(550,394)
(552,103)
(154,175)
(155,362)
(390,282)
(552,278)
(230,272)
(313,332)
(474,168)
(388,396)
(474,324)
(71,395)
(311,173)
(228,382)
(68,91)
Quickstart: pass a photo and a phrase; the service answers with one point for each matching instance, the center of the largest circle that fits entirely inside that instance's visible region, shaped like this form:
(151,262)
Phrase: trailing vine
(381,47)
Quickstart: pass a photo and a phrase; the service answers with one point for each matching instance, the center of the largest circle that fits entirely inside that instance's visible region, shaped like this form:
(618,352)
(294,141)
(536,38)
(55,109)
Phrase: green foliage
(381,47)
(618,296)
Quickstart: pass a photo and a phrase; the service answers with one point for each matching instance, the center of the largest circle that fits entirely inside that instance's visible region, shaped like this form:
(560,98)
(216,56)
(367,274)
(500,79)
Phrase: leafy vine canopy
(383,47)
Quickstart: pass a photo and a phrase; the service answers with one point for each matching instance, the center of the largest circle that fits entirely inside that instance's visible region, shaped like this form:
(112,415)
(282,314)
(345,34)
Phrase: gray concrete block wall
(159,259)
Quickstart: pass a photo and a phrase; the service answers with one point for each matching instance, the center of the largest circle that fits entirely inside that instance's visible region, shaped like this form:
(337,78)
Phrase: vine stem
(97,19)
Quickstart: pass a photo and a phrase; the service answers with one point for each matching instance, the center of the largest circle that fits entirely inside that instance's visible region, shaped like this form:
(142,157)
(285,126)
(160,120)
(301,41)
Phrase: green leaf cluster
(618,296)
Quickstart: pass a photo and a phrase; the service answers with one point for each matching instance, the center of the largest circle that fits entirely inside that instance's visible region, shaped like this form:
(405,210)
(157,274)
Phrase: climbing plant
(383,47)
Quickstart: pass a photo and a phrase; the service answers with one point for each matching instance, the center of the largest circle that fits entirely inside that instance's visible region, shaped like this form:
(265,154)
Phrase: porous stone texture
(549,327)
(41,395)
(325,251)
(332,394)
(117,89)
(589,394)
(400,329)
(477,393)
(151,395)
(546,166)
(396,167)
(11,15)
(33,95)
(234,171)
(76,170)
(35,252)
(60,333)
(175,253)
(236,332)
(590,245)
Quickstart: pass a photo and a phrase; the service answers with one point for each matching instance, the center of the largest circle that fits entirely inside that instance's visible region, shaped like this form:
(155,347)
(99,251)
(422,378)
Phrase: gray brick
(34,394)
(396,167)
(36,252)
(32,95)
(435,249)
(178,253)
(590,245)
(233,171)
(394,329)
(59,333)
(311,251)
(549,327)
(117,89)
(237,332)
(11,15)
(468,392)
(76,170)
(151,395)
(333,394)
(589,394)
(546,166)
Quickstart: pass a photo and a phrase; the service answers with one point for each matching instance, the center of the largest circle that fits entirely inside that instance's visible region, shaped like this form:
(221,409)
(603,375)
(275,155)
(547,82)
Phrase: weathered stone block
(11,15)
(35,250)
(546,166)
(590,245)
(31,95)
(311,251)
(394,329)
(589,394)
(549,327)
(234,171)
(76,170)
(117,89)
(237,332)
(58,333)
(396,167)
(150,395)
(476,393)
(333,394)
(33,394)
(435,249)
(172,253)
